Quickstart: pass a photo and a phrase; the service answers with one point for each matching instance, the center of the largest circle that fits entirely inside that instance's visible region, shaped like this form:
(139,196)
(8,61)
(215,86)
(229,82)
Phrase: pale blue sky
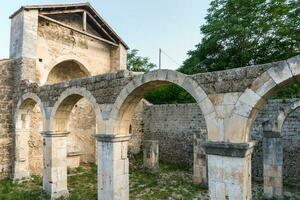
(173,25)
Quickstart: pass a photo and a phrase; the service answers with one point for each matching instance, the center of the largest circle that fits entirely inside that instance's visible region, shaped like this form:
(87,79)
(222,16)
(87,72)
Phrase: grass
(170,182)
(28,189)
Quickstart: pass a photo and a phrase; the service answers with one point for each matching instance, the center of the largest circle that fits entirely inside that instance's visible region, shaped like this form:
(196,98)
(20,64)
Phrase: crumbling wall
(6,94)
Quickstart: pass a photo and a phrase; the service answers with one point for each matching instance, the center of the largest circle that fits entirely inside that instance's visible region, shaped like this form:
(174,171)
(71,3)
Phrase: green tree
(169,94)
(164,94)
(238,33)
(137,63)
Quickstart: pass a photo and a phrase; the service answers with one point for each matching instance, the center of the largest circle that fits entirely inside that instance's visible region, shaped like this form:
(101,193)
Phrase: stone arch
(22,120)
(67,70)
(284,113)
(61,110)
(263,87)
(26,104)
(133,92)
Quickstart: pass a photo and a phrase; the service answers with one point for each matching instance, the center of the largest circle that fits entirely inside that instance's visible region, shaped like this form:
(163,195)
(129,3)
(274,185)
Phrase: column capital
(229,149)
(55,133)
(112,138)
(22,131)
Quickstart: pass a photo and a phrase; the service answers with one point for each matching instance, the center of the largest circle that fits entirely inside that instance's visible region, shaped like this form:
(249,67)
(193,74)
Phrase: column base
(60,194)
(21,176)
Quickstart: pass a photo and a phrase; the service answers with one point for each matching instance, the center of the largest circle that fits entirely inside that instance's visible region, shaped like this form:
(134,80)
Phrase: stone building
(66,84)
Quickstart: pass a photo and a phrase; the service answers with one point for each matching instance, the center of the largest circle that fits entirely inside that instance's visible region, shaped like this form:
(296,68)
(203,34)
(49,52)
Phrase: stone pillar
(199,162)
(229,170)
(55,164)
(113,167)
(273,163)
(21,165)
(151,155)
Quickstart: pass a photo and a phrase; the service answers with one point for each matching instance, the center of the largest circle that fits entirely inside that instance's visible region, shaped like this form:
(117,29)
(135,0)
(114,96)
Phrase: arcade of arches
(66,97)
(228,112)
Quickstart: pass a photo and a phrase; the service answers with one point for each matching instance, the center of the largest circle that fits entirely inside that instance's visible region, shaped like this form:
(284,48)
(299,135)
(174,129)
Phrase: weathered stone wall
(35,143)
(231,80)
(81,138)
(82,131)
(291,141)
(6,140)
(174,126)
(135,142)
(55,41)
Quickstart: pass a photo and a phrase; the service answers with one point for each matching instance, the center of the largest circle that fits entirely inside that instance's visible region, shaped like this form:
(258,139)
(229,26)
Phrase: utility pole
(159,65)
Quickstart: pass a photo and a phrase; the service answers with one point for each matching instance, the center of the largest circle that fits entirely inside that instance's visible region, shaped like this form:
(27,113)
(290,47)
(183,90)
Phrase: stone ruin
(67,71)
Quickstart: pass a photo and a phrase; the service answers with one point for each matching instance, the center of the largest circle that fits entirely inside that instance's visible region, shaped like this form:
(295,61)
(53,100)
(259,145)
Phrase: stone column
(21,165)
(55,164)
(229,170)
(113,167)
(151,155)
(273,163)
(199,162)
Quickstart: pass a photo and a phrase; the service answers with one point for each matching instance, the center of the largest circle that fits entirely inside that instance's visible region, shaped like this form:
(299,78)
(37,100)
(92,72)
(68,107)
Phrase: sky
(172,25)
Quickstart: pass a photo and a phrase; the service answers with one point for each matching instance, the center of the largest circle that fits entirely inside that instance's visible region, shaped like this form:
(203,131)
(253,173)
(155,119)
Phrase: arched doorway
(62,141)
(253,100)
(121,121)
(81,124)
(29,123)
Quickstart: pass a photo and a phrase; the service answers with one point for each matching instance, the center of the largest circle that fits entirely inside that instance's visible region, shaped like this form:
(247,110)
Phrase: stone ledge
(55,133)
(112,138)
(272,134)
(239,150)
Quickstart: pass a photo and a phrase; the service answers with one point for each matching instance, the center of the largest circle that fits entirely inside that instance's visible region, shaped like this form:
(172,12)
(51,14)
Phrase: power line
(168,56)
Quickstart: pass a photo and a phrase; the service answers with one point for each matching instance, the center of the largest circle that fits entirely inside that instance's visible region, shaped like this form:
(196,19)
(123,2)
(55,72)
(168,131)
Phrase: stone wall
(6,142)
(55,41)
(175,125)
(135,142)
(291,141)
(81,139)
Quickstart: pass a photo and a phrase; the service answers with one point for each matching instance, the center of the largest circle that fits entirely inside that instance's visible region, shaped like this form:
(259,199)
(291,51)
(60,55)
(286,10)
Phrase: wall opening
(67,70)
(28,138)
(77,116)
(178,132)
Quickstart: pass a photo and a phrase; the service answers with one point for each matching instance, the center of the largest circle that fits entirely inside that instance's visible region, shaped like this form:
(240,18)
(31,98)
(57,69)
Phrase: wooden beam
(77,30)
(84,20)
(55,12)
(99,25)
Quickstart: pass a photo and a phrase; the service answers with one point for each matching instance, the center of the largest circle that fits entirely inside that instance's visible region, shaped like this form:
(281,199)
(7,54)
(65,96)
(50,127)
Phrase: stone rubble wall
(6,140)
(135,142)
(231,80)
(174,126)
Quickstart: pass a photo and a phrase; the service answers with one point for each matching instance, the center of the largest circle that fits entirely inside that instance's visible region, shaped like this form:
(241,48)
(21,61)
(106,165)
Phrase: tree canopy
(138,63)
(238,33)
